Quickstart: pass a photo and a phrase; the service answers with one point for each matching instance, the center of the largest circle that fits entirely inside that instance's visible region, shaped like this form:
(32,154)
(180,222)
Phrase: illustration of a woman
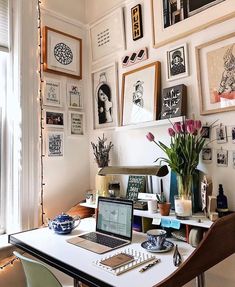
(104,104)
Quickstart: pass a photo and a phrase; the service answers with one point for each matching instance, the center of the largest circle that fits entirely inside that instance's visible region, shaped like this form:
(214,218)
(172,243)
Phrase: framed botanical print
(55,144)
(76,123)
(74,95)
(177,62)
(140,94)
(105,97)
(54,118)
(215,73)
(62,53)
(52,92)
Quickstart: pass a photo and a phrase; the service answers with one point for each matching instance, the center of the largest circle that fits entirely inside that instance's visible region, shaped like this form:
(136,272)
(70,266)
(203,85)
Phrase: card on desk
(117,260)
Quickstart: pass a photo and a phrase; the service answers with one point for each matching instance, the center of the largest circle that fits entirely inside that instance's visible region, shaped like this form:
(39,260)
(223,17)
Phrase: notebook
(113,226)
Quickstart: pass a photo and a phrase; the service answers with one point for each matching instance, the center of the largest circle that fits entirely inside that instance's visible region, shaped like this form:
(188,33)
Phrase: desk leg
(200,280)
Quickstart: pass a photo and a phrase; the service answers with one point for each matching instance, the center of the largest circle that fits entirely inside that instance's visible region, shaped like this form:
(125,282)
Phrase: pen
(149,265)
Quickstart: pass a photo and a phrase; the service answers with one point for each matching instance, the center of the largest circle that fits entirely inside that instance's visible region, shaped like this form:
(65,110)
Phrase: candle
(183,207)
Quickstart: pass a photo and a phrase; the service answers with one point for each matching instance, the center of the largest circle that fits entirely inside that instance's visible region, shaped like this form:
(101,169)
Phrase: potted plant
(164,206)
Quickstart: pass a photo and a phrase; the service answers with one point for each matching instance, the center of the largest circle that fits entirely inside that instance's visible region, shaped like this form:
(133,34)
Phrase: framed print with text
(74,95)
(76,123)
(52,92)
(62,53)
(55,144)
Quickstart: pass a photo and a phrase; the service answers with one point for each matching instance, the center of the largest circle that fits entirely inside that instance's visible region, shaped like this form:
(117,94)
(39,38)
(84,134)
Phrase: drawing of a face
(102,96)
(104,93)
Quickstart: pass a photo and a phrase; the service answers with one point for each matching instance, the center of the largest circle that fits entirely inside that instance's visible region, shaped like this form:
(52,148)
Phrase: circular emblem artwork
(63,54)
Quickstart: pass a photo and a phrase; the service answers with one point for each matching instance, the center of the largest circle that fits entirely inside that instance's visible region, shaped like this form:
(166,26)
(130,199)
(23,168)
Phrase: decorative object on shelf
(107,35)
(135,57)
(136,19)
(64,223)
(52,92)
(114,189)
(221,134)
(177,62)
(222,157)
(62,53)
(206,191)
(174,102)
(177,259)
(171,20)
(222,202)
(183,158)
(54,118)
(74,95)
(136,184)
(164,206)
(215,61)
(105,102)
(76,123)
(152,206)
(140,94)
(55,144)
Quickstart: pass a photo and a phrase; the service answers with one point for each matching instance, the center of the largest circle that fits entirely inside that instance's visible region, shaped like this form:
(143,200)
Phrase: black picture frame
(136,21)
(206,132)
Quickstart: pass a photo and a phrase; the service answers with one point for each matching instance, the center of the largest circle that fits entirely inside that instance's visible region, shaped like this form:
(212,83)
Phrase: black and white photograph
(174,102)
(221,134)
(222,158)
(55,144)
(206,132)
(52,92)
(74,95)
(233,155)
(76,124)
(233,134)
(54,118)
(177,62)
(207,155)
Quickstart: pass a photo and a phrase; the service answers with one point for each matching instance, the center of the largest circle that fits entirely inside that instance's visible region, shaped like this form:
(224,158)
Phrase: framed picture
(74,95)
(136,20)
(233,134)
(52,92)
(54,118)
(76,123)
(105,97)
(174,19)
(222,158)
(107,35)
(177,62)
(207,155)
(174,102)
(55,144)
(215,71)
(141,94)
(62,53)
(221,134)
(233,159)
(206,132)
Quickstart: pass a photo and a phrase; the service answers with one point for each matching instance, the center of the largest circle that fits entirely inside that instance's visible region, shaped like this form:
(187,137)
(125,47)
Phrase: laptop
(113,226)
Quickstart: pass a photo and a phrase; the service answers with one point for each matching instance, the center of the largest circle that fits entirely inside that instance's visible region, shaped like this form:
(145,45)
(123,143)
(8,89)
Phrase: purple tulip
(198,125)
(171,132)
(177,127)
(189,122)
(150,137)
(190,129)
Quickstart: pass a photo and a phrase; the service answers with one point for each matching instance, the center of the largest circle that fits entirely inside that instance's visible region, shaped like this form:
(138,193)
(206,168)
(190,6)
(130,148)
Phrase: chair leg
(200,280)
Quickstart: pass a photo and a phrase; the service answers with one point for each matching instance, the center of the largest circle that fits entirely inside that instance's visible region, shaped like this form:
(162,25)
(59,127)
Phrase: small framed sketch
(174,102)
(62,53)
(207,155)
(140,94)
(206,132)
(105,93)
(221,134)
(222,157)
(177,62)
(74,96)
(233,134)
(52,92)
(54,118)
(55,144)
(76,123)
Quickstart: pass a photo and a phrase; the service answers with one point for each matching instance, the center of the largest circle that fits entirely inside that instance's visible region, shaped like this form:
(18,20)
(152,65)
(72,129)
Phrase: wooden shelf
(90,205)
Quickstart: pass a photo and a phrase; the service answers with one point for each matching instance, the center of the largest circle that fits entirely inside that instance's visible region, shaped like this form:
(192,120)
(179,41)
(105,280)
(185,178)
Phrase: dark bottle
(222,203)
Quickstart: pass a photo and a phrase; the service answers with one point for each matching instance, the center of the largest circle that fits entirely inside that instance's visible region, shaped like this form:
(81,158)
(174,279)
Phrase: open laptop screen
(115,217)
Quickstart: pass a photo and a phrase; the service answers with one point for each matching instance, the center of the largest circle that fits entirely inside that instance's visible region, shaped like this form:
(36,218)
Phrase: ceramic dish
(167,246)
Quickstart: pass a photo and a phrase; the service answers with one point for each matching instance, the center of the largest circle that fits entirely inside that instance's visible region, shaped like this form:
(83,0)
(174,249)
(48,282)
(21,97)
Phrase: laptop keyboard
(103,239)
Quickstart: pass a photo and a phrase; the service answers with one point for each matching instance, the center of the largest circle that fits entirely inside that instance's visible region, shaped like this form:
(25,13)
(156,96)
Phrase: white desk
(78,263)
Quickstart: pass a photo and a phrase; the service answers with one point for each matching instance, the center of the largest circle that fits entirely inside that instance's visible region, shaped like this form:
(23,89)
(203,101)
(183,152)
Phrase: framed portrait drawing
(52,92)
(55,144)
(140,94)
(107,35)
(175,19)
(215,73)
(74,95)
(177,62)
(105,97)
(76,123)
(62,53)
(54,118)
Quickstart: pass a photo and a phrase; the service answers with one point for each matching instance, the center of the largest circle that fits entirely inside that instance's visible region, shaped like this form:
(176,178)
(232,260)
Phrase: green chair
(37,275)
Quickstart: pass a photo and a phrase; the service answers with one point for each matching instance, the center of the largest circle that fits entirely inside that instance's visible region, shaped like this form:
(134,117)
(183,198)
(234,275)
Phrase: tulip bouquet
(183,153)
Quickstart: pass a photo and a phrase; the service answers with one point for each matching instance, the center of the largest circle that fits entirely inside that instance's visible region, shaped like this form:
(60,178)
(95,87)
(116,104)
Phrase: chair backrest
(218,244)
(37,275)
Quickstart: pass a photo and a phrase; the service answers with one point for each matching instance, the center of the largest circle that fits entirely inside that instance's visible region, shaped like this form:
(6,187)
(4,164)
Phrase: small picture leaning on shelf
(135,185)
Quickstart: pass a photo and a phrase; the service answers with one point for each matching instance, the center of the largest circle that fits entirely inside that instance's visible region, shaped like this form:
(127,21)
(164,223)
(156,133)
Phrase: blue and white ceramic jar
(64,223)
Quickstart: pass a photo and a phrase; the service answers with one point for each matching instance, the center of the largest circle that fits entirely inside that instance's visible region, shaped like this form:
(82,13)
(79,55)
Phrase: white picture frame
(177,62)
(107,35)
(233,134)
(52,92)
(222,158)
(105,84)
(54,118)
(76,123)
(55,144)
(74,95)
